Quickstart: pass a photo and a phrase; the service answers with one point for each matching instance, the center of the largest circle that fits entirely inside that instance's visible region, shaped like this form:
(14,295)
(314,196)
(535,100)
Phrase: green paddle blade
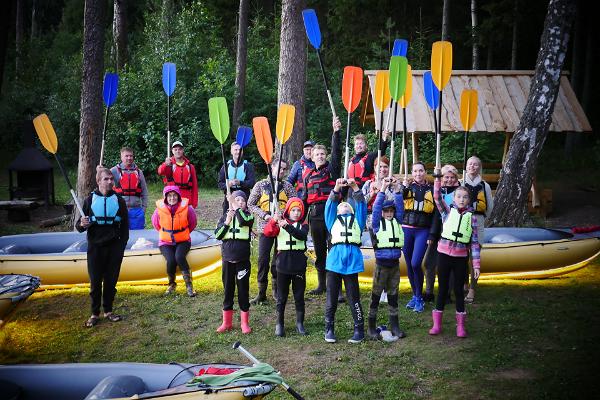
(398,75)
(219,118)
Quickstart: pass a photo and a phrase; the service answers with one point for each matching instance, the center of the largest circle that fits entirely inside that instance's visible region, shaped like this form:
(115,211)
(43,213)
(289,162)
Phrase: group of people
(441,223)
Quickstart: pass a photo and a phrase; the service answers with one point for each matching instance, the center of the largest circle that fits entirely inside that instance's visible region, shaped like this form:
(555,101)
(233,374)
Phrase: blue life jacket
(105,209)
(241,171)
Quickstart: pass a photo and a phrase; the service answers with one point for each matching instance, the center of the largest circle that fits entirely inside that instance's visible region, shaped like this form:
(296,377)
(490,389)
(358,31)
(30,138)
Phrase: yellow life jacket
(389,235)
(286,242)
(457,227)
(345,230)
(237,232)
(264,202)
(419,199)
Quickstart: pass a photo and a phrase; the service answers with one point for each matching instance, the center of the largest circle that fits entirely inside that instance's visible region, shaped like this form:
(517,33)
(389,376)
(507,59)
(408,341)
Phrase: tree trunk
(516,177)
(446,20)
(292,72)
(474,35)
(90,127)
(515,36)
(120,33)
(19,35)
(34,26)
(240,66)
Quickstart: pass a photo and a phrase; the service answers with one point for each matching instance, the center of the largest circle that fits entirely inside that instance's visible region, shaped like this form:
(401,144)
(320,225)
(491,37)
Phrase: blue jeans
(415,244)
(137,220)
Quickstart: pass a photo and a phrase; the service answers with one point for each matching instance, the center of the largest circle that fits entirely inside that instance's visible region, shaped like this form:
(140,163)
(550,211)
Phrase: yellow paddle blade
(441,63)
(45,131)
(285,122)
(405,99)
(382,90)
(468,108)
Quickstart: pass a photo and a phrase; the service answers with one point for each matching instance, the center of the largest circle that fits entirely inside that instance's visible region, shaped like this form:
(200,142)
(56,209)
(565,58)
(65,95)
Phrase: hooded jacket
(387,257)
(191,214)
(171,175)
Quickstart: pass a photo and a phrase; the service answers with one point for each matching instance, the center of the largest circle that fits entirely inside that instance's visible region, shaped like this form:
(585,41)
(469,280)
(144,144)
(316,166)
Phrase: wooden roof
(502,97)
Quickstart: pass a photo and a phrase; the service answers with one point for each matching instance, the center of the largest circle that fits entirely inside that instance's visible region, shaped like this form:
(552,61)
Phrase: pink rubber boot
(461,317)
(437,322)
(226,325)
(245,321)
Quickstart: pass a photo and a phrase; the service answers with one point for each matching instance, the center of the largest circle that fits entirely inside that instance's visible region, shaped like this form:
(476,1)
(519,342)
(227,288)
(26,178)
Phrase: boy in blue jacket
(344,260)
(388,239)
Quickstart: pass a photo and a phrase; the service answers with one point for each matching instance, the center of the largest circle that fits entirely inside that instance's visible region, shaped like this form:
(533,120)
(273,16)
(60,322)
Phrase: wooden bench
(19,210)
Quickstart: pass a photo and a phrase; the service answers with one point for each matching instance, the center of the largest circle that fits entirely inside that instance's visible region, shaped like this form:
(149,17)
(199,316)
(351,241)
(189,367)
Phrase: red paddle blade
(264,140)
(352,87)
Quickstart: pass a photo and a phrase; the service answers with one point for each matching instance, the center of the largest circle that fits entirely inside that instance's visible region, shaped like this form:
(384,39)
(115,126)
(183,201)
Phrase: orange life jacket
(173,227)
(129,183)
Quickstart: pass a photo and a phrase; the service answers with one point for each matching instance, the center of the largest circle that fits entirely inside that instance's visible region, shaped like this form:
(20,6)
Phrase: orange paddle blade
(441,63)
(352,87)
(285,122)
(468,108)
(405,99)
(45,131)
(382,90)
(262,135)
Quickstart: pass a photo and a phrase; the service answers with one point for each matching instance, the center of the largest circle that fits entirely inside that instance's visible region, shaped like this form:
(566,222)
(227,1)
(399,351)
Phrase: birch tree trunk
(516,177)
(120,33)
(474,35)
(90,127)
(240,66)
(292,72)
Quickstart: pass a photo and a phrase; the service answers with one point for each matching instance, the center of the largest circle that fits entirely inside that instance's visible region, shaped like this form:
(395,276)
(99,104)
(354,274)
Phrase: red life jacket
(318,185)
(305,171)
(356,171)
(182,176)
(129,183)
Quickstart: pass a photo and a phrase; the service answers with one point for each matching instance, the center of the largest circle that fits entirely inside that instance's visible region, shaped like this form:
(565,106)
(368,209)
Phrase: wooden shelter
(502,96)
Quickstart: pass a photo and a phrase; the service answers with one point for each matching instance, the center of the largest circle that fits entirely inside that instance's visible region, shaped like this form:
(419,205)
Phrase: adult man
(107,226)
(240,174)
(131,184)
(260,203)
(361,165)
(318,183)
(301,168)
(179,171)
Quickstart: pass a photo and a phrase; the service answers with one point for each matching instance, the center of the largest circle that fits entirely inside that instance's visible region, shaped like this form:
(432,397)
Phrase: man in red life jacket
(361,165)
(131,184)
(301,168)
(179,171)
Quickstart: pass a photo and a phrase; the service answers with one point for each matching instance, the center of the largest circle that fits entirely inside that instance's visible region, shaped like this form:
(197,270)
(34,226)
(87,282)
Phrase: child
(291,236)
(344,261)
(459,232)
(234,230)
(388,240)
(174,219)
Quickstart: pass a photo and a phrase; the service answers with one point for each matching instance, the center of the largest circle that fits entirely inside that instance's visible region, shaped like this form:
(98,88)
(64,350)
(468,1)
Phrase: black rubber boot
(261,297)
(395,327)
(189,286)
(279,327)
(373,334)
(320,289)
(300,323)
(359,334)
(172,284)
(274,288)
(330,332)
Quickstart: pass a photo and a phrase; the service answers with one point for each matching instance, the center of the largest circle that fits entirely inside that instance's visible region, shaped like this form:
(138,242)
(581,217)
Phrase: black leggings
(104,265)
(175,255)
(265,258)
(236,274)
(445,266)
(319,234)
(334,282)
(298,282)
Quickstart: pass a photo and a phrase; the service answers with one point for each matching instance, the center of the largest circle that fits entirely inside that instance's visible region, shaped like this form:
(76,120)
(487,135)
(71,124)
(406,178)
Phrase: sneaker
(383,297)
(419,305)
(411,304)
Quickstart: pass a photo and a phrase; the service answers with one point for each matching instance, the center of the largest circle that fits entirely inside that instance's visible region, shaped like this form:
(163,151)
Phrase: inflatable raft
(59,258)
(519,253)
(134,380)
(14,290)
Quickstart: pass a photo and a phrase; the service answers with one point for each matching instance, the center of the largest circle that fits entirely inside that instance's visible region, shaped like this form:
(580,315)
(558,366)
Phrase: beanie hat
(239,193)
(388,204)
(294,202)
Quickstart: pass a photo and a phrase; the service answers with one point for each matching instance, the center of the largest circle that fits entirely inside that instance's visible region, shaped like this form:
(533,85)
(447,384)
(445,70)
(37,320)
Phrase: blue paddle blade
(109,90)
(243,136)
(311,24)
(400,48)
(432,94)
(169,78)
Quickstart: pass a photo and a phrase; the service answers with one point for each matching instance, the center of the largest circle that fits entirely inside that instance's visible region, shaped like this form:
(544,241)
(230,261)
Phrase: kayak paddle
(400,49)
(242,137)
(168,81)
(441,69)
(109,94)
(382,97)
(264,144)
(219,124)
(254,360)
(311,24)
(468,115)
(398,77)
(404,100)
(432,97)
(45,131)
(283,131)
(351,94)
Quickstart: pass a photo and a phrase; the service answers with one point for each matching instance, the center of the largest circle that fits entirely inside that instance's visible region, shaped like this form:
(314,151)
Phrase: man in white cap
(179,171)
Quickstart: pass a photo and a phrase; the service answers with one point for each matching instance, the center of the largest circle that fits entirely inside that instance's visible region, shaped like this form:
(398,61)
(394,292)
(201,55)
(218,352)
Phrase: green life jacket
(345,230)
(286,242)
(457,227)
(389,235)
(236,232)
